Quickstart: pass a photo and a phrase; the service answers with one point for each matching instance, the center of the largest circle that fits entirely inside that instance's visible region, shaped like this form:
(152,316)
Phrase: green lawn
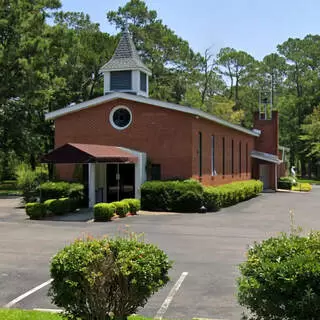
(17,314)
(311,181)
(8,188)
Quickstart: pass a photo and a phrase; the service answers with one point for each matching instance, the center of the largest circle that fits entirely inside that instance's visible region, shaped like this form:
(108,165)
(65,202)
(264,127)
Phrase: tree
(236,65)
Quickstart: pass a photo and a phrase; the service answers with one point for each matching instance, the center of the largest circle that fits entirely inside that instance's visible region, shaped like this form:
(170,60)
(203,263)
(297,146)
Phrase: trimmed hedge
(122,208)
(231,193)
(61,206)
(104,211)
(57,190)
(164,195)
(190,195)
(286,183)
(134,205)
(188,202)
(35,210)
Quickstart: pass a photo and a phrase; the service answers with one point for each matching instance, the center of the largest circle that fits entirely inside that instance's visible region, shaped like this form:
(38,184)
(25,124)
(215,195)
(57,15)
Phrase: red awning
(86,153)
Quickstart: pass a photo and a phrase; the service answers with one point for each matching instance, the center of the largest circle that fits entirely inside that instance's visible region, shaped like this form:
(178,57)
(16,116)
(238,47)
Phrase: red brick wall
(268,140)
(169,138)
(165,135)
(208,129)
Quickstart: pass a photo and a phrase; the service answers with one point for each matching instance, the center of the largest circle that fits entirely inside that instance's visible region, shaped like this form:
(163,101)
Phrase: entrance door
(120,182)
(264,175)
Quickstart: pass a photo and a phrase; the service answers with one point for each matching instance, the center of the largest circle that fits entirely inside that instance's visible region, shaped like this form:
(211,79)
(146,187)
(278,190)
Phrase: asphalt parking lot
(208,247)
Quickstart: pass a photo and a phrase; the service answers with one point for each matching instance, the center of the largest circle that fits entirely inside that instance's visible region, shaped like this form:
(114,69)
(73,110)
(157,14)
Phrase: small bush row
(190,195)
(286,183)
(305,187)
(36,210)
(105,211)
(231,194)
(57,190)
(170,195)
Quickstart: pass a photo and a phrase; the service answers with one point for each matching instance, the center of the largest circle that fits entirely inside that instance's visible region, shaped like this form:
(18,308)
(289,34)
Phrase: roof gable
(162,104)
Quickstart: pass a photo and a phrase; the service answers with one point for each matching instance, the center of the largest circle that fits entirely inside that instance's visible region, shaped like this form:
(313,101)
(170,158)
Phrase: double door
(120,182)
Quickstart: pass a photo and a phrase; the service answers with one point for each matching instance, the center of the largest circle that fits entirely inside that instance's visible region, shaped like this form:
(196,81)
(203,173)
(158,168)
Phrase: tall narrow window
(200,154)
(232,157)
(213,170)
(223,157)
(247,158)
(240,157)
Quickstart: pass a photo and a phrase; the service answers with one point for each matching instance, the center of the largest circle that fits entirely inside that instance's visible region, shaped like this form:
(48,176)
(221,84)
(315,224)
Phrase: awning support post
(92,184)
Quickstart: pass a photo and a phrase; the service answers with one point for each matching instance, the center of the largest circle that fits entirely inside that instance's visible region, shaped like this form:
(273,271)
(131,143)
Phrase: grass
(17,314)
(311,181)
(8,188)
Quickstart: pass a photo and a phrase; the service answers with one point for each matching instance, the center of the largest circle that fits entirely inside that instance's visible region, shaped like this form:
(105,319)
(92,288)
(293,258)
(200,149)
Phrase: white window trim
(111,117)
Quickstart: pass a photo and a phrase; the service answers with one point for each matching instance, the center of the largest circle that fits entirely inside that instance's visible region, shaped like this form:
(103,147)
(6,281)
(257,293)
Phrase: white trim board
(265,156)
(162,104)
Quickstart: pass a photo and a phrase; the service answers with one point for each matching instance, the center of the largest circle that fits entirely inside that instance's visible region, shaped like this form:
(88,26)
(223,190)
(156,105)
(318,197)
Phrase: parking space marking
(28,293)
(167,301)
(48,310)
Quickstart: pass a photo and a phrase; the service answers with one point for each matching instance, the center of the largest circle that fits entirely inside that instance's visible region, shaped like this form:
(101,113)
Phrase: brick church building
(124,138)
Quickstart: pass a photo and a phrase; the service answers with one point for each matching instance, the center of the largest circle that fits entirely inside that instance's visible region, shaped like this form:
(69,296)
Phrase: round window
(120,117)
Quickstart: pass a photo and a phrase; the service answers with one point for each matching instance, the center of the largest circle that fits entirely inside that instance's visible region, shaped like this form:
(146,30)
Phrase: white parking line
(28,293)
(169,298)
(48,310)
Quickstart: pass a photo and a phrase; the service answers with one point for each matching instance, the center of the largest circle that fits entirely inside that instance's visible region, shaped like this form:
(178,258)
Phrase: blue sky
(255,26)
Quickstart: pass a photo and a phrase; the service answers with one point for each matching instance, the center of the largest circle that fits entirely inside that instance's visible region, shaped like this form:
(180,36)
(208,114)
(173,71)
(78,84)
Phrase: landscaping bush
(286,183)
(230,194)
(122,208)
(59,206)
(103,211)
(161,195)
(35,210)
(134,205)
(93,278)
(56,190)
(189,201)
(212,198)
(185,196)
(281,278)
(305,187)
(27,182)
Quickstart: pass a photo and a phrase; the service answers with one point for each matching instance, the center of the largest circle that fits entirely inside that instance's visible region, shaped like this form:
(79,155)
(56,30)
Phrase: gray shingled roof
(125,57)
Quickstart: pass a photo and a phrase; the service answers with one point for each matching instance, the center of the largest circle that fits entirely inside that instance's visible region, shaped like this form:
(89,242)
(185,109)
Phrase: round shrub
(281,278)
(189,201)
(122,208)
(35,210)
(134,205)
(58,206)
(103,211)
(92,278)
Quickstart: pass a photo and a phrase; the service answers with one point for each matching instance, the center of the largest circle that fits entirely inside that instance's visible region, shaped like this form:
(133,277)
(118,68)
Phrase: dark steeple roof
(125,57)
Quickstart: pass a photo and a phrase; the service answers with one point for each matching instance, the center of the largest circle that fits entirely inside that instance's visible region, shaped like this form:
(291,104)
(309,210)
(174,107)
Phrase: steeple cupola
(125,71)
